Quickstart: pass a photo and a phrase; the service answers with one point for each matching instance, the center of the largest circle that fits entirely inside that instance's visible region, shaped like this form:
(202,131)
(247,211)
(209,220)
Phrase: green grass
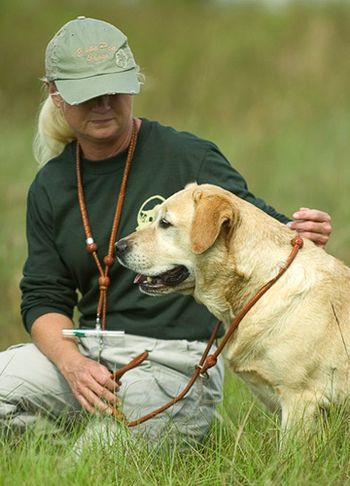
(242,449)
(271,88)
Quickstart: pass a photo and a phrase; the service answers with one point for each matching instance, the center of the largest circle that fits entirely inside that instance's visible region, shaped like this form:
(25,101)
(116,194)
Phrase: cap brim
(75,91)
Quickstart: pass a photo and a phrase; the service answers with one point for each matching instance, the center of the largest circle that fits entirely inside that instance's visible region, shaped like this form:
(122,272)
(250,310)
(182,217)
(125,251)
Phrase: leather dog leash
(138,360)
(206,361)
(297,243)
(91,246)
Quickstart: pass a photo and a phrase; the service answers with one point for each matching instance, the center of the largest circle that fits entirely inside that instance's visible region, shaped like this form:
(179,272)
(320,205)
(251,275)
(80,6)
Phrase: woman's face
(101,119)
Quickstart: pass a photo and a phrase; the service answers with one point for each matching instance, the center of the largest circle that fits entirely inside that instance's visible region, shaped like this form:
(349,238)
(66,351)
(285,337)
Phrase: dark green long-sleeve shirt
(58,268)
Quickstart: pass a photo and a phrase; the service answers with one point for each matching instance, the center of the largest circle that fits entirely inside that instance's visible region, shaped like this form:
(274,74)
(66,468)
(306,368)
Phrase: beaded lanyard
(91,246)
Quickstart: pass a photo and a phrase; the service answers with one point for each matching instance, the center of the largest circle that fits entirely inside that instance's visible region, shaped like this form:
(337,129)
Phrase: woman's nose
(103,102)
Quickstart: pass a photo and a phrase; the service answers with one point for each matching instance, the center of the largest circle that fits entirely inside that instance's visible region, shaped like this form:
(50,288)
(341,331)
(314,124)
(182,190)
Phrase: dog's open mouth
(161,282)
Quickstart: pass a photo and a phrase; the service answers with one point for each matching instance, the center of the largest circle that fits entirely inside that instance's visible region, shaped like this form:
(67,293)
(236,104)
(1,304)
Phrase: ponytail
(53,133)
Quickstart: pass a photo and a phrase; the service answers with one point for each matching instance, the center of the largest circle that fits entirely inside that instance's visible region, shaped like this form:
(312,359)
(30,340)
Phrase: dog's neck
(249,264)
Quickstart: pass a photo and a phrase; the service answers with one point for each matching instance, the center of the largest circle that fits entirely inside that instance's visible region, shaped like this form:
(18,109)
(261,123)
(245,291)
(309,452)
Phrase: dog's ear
(211,212)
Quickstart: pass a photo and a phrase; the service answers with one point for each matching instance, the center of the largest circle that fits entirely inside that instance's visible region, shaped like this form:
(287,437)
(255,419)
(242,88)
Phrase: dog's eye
(163,223)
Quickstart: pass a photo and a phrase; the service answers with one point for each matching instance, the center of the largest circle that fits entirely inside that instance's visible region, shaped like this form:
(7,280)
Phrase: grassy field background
(271,88)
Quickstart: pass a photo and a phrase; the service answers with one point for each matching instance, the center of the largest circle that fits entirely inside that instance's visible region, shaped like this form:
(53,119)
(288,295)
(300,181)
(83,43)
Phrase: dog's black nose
(121,247)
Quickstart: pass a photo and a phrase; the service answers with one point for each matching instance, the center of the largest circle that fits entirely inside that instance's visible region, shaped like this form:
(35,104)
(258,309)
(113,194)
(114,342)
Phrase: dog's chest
(261,387)
(253,365)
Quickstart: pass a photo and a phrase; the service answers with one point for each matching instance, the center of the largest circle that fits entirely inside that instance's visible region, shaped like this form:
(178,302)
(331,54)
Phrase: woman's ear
(55,96)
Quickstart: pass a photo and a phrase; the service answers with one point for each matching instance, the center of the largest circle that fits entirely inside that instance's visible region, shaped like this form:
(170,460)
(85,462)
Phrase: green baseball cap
(89,58)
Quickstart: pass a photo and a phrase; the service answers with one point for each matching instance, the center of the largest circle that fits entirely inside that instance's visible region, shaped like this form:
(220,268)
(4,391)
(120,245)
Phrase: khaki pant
(30,385)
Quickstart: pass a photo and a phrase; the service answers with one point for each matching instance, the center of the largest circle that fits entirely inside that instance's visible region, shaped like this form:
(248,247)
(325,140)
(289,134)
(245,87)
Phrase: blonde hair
(53,132)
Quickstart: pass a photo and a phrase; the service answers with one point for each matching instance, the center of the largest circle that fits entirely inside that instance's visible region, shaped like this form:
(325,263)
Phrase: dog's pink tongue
(139,279)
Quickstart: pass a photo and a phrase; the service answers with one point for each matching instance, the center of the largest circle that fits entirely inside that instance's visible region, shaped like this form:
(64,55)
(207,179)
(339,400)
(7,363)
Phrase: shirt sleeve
(46,284)
(216,169)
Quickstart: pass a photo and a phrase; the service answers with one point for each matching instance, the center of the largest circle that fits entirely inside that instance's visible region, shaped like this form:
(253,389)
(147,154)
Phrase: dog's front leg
(298,415)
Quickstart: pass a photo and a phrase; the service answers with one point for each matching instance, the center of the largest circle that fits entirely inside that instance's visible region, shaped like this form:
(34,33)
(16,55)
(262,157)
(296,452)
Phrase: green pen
(78,332)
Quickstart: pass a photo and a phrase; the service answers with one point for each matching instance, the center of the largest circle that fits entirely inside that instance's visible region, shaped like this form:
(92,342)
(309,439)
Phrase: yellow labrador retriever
(292,348)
